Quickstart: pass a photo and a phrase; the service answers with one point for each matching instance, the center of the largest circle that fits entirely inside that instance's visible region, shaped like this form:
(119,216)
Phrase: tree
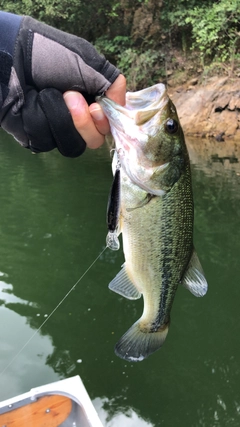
(216,29)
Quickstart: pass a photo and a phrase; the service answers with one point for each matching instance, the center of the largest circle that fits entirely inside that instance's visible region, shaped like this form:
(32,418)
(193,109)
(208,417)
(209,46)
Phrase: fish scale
(156,215)
(153,249)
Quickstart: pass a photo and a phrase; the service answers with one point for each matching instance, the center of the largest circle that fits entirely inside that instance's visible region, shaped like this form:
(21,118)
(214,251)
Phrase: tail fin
(136,344)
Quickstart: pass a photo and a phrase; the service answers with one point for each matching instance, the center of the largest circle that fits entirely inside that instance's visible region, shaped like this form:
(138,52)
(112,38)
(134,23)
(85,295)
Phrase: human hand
(38,65)
(90,121)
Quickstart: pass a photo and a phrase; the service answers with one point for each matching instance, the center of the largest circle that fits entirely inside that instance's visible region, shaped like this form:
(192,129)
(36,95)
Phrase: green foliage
(216,29)
(173,15)
(46,10)
(112,48)
(89,19)
(210,26)
(141,68)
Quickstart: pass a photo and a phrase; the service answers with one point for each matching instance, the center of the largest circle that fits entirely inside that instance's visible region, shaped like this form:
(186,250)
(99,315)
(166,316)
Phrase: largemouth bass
(156,214)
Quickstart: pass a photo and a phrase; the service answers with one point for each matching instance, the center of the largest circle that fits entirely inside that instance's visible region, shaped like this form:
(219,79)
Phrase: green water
(52,227)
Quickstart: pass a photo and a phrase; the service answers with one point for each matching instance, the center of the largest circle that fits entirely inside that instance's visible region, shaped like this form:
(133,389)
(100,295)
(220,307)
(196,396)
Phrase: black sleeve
(39,63)
(9,28)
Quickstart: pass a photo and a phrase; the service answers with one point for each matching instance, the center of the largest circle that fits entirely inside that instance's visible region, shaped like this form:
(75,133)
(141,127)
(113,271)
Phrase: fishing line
(52,312)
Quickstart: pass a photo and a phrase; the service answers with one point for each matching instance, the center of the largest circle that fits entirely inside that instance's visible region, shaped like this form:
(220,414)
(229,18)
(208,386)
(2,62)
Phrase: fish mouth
(137,114)
(132,126)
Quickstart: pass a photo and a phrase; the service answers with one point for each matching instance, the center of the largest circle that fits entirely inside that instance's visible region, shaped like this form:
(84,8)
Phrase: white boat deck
(64,403)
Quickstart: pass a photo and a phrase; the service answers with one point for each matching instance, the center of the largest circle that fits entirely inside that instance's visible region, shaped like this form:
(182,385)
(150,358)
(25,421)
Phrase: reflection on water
(215,158)
(123,416)
(29,365)
(52,227)
(7,296)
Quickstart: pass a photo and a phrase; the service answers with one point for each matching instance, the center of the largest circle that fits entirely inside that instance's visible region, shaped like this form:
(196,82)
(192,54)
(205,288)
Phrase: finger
(99,118)
(82,119)
(117,91)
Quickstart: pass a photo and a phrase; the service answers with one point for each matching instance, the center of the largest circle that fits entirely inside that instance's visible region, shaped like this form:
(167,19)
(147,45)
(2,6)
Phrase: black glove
(37,65)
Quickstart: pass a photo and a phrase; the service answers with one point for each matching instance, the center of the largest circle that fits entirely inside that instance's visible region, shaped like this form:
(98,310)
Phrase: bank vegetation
(150,40)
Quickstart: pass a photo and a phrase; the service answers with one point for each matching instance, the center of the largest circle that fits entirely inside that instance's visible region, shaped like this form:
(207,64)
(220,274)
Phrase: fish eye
(171,126)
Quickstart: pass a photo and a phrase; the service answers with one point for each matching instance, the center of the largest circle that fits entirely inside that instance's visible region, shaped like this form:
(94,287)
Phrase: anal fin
(122,285)
(194,279)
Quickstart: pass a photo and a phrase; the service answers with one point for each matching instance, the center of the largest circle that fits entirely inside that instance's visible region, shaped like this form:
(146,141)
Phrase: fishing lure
(113,212)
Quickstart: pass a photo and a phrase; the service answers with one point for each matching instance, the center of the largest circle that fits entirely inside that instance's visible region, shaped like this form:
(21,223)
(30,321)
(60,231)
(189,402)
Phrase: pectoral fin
(122,285)
(194,279)
(143,202)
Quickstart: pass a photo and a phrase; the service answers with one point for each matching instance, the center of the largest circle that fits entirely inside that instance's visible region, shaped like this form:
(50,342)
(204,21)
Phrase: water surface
(52,227)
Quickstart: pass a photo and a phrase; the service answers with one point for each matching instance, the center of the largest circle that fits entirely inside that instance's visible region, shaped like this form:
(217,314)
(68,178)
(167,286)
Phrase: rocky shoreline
(210,109)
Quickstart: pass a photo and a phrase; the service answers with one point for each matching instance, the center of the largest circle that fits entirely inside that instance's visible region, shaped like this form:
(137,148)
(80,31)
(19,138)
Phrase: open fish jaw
(139,116)
(132,127)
